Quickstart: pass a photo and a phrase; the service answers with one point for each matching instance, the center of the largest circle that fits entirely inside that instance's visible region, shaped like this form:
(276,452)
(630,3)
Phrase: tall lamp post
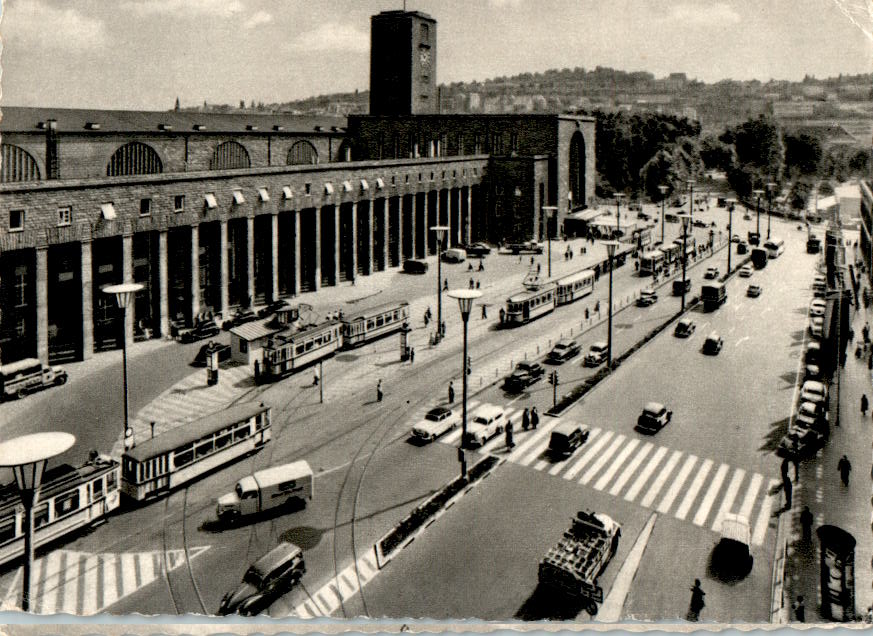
(465,304)
(690,183)
(730,233)
(770,187)
(440,231)
(686,221)
(610,251)
(124,294)
(663,189)
(27,456)
(618,196)
(548,212)
(758,194)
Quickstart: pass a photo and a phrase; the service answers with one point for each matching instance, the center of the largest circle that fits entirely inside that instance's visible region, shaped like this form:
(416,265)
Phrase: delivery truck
(286,485)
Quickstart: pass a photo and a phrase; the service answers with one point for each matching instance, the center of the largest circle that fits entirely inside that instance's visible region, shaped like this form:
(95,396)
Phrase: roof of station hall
(27,119)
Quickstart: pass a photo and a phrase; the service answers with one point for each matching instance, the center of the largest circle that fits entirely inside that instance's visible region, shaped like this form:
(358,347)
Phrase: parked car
(699,223)
(524,374)
(747,217)
(711,273)
(816,325)
(684,328)
(564,350)
(735,238)
(454,255)
(647,297)
(240,317)
(753,291)
(272,308)
(742,247)
(596,354)
(746,271)
(200,331)
(813,391)
(223,353)
(527,247)
(713,344)
(415,267)
(267,579)
(810,414)
(437,421)
(477,249)
(654,417)
(817,307)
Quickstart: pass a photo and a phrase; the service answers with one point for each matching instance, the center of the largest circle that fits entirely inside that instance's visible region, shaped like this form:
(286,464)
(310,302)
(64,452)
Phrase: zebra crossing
(690,488)
(340,588)
(82,583)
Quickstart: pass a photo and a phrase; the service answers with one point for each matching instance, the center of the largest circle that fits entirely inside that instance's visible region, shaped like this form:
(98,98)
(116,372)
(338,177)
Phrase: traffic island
(417,521)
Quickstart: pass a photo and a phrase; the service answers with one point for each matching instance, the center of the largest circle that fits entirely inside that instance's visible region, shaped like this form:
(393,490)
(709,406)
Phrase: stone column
(458,237)
(400,230)
(163,286)
(469,224)
(425,231)
(371,266)
(195,272)
(224,266)
(127,274)
(250,260)
(296,286)
(336,245)
(87,276)
(274,257)
(354,240)
(437,219)
(317,283)
(412,229)
(42,343)
(385,217)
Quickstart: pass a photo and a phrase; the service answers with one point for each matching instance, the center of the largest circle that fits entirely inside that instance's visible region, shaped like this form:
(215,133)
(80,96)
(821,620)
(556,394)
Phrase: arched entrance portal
(577,168)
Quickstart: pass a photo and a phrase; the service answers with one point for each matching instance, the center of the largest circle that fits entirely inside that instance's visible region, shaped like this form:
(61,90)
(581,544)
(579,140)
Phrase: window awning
(364,185)
(328,188)
(263,194)
(347,186)
(238,197)
(380,183)
(108,210)
(211,203)
(287,192)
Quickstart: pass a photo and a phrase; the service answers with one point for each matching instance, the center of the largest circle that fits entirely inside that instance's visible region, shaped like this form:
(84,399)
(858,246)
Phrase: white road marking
(634,490)
(610,611)
(635,463)
(606,477)
(676,486)
(729,496)
(532,439)
(711,493)
(588,456)
(741,340)
(695,487)
(751,494)
(607,454)
(764,516)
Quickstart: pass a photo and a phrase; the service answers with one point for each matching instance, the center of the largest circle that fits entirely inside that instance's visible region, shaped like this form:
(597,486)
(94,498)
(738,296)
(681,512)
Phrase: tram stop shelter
(247,340)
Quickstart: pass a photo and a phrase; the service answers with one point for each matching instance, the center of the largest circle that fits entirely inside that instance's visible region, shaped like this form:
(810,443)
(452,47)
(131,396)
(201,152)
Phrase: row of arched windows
(139,158)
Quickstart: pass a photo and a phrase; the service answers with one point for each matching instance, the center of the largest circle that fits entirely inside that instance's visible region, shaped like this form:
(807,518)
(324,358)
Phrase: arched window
(134,158)
(18,164)
(302,153)
(577,168)
(345,151)
(228,155)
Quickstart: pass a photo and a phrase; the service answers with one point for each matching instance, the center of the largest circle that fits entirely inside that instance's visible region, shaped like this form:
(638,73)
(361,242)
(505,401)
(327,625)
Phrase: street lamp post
(663,189)
(770,187)
(27,456)
(691,183)
(686,221)
(610,250)
(124,294)
(618,196)
(548,211)
(465,304)
(758,194)
(730,233)
(440,231)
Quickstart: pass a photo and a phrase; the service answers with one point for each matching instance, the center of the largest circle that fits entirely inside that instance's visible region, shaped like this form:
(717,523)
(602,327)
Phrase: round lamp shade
(465,298)
(123,292)
(28,454)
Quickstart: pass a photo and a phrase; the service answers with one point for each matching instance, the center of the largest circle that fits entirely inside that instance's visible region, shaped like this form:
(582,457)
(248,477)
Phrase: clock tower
(403,64)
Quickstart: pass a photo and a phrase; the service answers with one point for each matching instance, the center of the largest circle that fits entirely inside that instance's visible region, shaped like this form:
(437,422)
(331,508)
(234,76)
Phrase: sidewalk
(830,502)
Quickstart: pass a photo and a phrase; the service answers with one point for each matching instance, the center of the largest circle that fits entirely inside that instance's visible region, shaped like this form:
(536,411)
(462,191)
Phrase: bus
(530,304)
(575,286)
(774,247)
(369,324)
(69,499)
(651,262)
(671,252)
(191,450)
(286,353)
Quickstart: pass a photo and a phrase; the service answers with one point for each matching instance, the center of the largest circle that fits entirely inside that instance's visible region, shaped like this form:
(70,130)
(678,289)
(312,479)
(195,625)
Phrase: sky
(142,54)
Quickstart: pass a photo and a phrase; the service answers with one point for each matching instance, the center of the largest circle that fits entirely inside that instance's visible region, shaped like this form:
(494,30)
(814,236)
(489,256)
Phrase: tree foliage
(803,154)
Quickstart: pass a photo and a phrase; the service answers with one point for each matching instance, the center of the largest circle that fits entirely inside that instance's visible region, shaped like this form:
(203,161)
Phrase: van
(267,489)
(19,378)
(454,255)
(566,438)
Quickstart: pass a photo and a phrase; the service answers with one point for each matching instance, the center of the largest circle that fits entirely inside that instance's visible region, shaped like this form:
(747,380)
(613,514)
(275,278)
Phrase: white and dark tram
(574,286)
(531,304)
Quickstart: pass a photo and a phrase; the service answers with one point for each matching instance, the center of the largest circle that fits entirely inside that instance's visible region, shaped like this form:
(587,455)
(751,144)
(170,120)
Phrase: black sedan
(223,353)
(524,374)
(477,249)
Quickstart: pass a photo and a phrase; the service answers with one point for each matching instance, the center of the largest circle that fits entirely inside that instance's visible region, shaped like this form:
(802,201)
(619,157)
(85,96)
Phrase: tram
(530,304)
(370,324)
(287,353)
(189,451)
(70,498)
(574,286)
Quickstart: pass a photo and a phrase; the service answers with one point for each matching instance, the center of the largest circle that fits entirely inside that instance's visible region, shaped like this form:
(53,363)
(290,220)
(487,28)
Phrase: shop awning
(263,194)
(328,188)
(347,186)
(211,203)
(288,192)
(238,197)
(108,211)
(380,183)
(364,185)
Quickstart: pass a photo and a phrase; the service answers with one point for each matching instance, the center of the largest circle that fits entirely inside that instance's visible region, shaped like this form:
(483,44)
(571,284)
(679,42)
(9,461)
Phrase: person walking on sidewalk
(799,610)
(864,405)
(484,312)
(845,467)
(697,603)
(379,391)
(806,524)
(451,393)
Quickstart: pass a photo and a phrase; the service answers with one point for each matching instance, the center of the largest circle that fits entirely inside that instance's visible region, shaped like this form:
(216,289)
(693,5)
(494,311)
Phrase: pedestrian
(597,306)
(539,267)
(379,391)
(482,265)
(503,318)
(525,419)
(477,284)
(445,284)
(411,355)
(786,486)
(870,361)
(799,610)
(851,335)
(784,469)
(469,267)
(472,283)
(806,524)
(451,393)
(864,405)
(586,313)
(865,332)
(509,443)
(315,379)
(845,467)
(697,603)
(531,260)
(426,319)
(484,313)
(534,418)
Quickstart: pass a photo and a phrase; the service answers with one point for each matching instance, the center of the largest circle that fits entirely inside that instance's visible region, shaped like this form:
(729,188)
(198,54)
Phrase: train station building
(212,212)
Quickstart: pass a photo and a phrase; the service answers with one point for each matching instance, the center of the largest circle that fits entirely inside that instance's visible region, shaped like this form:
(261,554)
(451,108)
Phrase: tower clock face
(424,56)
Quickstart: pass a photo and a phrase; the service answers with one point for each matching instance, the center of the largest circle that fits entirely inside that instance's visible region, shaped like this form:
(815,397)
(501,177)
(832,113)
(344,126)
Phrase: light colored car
(647,297)
(684,328)
(436,422)
(564,350)
(754,291)
(746,271)
(654,417)
(817,307)
(596,354)
(809,414)
(813,391)
(816,325)
(711,273)
(487,421)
